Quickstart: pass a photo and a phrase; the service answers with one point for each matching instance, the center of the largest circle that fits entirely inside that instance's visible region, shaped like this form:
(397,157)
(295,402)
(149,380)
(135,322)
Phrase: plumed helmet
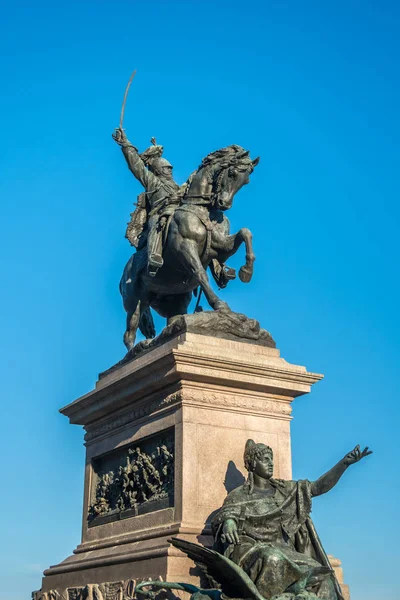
(159,163)
(152,158)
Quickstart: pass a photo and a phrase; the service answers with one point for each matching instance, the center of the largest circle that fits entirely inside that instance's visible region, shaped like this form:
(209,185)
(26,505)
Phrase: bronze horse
(197,233)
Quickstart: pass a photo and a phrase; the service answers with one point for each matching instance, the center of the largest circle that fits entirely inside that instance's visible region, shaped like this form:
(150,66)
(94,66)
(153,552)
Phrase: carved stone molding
(50,595)
(246,403)
(115,590)
(205,397)
(143,410)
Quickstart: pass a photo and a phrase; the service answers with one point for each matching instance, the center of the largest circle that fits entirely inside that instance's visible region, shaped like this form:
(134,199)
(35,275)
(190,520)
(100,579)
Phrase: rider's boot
(221,273)
(154,260)
(227,275)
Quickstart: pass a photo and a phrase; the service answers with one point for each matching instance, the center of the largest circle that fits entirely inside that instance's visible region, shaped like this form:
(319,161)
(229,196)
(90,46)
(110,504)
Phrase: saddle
(136,234)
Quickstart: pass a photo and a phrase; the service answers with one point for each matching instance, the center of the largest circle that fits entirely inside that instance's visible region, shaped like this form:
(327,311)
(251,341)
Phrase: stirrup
(226,275)
(229,273)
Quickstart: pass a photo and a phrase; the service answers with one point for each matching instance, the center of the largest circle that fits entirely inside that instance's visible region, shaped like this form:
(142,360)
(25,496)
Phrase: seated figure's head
(258,460)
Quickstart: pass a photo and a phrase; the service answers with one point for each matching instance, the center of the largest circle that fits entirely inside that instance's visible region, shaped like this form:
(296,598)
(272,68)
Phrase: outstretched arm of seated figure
(327,481)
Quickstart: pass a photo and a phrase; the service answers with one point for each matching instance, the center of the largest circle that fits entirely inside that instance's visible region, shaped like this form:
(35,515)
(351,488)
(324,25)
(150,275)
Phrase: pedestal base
(180,414)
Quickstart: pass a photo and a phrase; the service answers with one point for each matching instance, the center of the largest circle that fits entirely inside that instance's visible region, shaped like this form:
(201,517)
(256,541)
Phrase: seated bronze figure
(265,543)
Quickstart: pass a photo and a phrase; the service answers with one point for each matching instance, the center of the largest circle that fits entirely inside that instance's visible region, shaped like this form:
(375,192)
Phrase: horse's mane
(226,157)
(215,163)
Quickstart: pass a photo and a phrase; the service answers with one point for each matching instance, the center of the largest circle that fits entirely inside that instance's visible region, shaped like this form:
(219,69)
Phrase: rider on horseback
(162,196)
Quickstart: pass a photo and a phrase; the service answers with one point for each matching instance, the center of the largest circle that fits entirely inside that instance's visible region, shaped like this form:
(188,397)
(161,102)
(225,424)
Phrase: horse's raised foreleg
(189,256)
(226,246)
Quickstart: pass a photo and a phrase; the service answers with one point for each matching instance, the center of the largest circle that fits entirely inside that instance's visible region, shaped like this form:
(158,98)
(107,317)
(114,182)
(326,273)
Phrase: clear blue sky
(313,88)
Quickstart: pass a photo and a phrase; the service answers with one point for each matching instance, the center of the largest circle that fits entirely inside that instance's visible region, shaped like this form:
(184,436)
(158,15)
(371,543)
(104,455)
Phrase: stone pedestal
(199,399)
(336,565)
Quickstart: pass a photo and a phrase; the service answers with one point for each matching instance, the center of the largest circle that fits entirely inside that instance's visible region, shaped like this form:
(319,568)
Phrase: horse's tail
(146,324)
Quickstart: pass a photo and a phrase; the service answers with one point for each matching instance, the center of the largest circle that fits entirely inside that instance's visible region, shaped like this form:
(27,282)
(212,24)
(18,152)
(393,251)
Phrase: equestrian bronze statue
(180,231)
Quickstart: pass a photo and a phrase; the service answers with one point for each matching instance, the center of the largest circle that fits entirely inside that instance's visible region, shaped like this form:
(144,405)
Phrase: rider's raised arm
(139,169)
(135,163)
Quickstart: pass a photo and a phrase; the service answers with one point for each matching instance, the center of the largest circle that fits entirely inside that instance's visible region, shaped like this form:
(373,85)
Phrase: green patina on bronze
(265,544)
(133,480)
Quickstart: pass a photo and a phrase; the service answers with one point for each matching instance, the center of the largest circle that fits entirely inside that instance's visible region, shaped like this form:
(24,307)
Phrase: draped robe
(278,543)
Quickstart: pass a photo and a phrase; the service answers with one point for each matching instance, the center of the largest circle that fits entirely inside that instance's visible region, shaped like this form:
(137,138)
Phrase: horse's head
(230,174)
(220,175)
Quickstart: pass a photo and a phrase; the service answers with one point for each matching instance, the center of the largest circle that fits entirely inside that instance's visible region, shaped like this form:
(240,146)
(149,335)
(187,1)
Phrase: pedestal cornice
(150,382)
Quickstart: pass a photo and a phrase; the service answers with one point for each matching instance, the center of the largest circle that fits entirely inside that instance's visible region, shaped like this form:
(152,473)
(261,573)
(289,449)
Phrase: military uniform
(162,196)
